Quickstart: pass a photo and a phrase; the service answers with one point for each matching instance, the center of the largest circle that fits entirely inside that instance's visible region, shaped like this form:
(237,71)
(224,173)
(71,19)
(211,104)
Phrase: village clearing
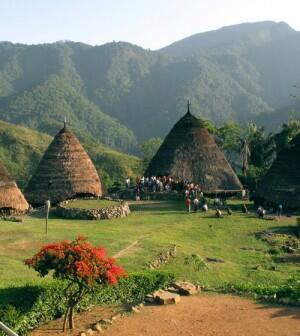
(236,249)
(210,251)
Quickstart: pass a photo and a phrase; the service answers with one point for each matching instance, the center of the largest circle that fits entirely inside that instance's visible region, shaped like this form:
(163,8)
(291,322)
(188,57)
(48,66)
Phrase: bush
(288,293)
(274,251)
(49,301)
(197,261)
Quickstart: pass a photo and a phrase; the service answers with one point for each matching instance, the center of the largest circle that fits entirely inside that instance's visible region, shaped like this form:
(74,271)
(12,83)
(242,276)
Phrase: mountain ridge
(128,93)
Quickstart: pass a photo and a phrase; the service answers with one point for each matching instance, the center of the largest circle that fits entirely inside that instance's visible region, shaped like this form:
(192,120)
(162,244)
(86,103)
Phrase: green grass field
(155,226)
(90,204)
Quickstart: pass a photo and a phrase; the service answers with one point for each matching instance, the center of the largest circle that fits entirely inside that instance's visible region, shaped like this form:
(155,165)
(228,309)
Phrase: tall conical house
(64,172)
(281,184)
(12,200)
(189,152)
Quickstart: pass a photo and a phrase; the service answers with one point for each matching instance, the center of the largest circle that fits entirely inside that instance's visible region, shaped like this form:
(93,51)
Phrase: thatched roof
(281,184)
(189,152)
(11,198)
(65,171)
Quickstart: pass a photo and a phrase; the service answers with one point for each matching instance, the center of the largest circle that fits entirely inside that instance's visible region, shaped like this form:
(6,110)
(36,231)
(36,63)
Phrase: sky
(148,23)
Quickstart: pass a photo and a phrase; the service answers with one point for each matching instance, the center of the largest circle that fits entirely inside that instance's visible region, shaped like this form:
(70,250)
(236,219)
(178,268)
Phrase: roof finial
(65,122)
(188,106)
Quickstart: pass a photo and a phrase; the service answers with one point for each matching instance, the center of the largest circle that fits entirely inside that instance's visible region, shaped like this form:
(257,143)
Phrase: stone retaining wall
(119,210)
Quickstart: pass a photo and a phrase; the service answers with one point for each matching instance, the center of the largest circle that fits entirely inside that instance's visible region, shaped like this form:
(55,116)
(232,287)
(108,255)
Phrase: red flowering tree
(81,265)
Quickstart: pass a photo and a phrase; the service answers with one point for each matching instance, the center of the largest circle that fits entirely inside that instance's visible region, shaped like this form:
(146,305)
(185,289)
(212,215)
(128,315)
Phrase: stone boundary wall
(119,210)
(164,257)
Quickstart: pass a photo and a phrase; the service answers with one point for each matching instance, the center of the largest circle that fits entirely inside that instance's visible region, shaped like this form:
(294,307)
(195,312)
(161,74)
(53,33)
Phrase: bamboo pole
(8,331)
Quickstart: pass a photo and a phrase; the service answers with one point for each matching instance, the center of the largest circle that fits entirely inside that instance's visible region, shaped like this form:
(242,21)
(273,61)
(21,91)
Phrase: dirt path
(204,315)
(126,249)
(208,315)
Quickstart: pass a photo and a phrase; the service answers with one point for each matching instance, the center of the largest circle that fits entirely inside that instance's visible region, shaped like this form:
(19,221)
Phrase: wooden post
(8,331)
(47,209)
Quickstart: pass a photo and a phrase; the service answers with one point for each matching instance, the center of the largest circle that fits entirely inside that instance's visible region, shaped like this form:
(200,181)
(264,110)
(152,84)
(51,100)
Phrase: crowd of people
(163,184)
(193,194)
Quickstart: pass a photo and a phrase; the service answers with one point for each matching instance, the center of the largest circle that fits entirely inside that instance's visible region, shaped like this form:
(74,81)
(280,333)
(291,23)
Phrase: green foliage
(45,106)
(287,293)
(261,146)
(288,131)
(149,149)
(49,301)
(197,262)
(254,176)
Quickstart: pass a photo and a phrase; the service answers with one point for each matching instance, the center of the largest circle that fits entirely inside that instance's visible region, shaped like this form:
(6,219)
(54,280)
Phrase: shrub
(49,301)
(274,251)
(288,293)
(80,266)
(197,261)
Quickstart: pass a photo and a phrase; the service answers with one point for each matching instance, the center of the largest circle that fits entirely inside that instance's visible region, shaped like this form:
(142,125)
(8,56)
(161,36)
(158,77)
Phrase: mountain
(119,93)
(21,150)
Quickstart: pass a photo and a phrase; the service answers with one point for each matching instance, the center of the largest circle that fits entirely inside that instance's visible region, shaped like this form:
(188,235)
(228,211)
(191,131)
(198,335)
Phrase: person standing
(196,204)
(188,204)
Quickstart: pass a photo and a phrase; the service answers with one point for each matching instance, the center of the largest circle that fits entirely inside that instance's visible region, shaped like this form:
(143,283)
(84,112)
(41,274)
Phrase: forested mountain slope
(119,93)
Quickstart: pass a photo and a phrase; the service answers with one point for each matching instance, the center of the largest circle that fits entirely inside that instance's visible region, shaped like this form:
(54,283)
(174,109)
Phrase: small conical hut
(281,184)
(12,200)
(190,153)
(64,172)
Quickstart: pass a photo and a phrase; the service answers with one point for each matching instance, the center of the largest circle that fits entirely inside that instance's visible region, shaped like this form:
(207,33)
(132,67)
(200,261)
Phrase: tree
(149,149)
(245,155)
(80,265)
(261,146)
(229,140)
(288,132)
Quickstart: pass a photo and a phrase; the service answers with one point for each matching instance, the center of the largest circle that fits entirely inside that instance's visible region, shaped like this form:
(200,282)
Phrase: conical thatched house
(65,172)
(189,152)
(281,184)
(12,200)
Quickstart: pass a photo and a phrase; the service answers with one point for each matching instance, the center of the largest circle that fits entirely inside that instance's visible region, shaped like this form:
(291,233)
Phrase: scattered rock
(285,301)
(90,332)
(82,334)
(115,317)
(98,327)
(149,298)
(105,321)
(135,309)
(164,257)
(186,288)
(163,297)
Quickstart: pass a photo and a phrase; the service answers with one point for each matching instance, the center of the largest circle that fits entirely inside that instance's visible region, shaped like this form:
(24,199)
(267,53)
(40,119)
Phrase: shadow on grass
(290,258)
(155,206)
(22,298)
(287,229)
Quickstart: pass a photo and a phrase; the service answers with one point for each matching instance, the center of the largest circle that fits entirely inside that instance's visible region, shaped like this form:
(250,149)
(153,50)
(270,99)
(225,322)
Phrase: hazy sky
(148,23)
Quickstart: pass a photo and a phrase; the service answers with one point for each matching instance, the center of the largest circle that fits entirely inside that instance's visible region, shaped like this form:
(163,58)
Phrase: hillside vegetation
(22,148)
(118,92)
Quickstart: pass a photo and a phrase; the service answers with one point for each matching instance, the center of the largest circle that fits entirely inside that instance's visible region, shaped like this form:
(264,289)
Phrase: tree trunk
(71,317)
(65,318)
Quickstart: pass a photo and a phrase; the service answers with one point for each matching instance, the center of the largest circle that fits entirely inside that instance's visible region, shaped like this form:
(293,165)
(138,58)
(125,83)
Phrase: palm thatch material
(281,184)
(189,152)
(12,200)
(65,171)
